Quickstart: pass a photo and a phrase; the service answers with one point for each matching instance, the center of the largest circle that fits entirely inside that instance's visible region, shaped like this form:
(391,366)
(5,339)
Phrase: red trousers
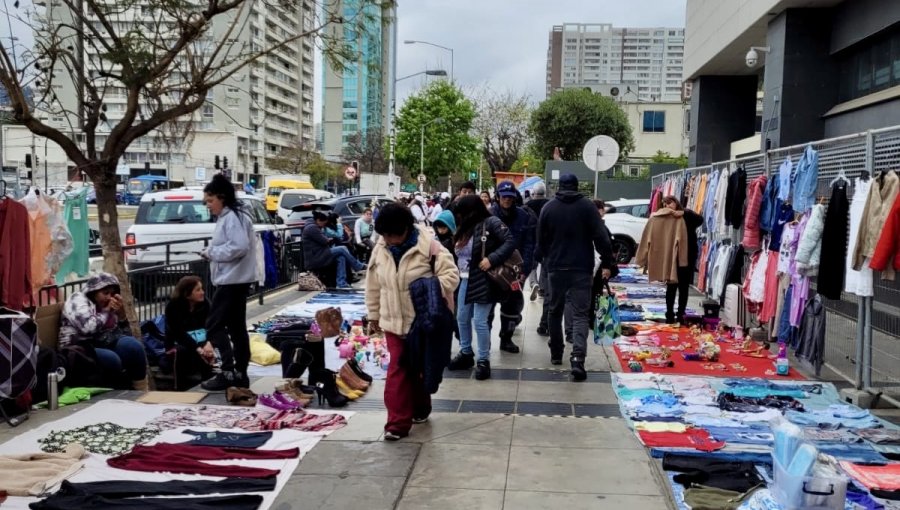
(404,393)
(181,458)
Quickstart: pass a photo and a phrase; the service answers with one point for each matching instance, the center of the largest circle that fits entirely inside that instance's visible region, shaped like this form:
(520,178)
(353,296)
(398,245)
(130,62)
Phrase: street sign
(350,173)
(123,170)
(422,179)
(200,173)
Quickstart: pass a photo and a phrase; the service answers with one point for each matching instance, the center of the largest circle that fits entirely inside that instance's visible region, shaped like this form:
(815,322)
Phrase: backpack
(18,362)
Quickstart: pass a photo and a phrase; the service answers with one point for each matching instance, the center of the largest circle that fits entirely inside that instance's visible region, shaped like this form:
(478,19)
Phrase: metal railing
(152,285)
(862,341)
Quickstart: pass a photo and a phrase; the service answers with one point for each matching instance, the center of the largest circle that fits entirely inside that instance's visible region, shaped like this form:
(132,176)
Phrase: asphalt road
(126,218)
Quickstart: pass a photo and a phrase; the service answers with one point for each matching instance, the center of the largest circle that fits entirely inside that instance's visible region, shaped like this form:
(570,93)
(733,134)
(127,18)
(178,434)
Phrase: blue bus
(137,186)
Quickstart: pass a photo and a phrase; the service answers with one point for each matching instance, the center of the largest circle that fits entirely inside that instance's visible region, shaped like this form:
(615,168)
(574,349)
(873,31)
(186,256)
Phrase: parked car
(626,220)
(290,198)
(91,197)
(348,208)
(174,215)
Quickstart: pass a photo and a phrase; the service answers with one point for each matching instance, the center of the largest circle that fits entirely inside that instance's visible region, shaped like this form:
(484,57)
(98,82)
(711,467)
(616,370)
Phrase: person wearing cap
(521,224)
(536,204)
(318,252)
(569,231)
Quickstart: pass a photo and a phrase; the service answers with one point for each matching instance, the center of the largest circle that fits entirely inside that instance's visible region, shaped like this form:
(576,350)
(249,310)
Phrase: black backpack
(18,363)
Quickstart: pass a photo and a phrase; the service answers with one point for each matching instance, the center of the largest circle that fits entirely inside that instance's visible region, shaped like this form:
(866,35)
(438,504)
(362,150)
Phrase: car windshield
(137,186)
(290,200)
(158,212)
(275,191)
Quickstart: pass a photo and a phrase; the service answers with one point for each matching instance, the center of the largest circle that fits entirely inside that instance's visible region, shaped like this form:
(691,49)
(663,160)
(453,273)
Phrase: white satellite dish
(600,153)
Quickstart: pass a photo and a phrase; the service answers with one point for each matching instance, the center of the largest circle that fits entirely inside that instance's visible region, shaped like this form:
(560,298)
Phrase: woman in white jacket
(232,257)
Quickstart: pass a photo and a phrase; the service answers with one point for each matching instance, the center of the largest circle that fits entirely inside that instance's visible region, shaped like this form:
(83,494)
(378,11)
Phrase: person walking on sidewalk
(232,256)
(482,242)
(403,254)
(522,225)
(569,231)
(538,285)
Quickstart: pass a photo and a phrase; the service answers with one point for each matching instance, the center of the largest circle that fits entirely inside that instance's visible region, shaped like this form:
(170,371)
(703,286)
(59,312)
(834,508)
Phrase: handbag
(507,274)
(309,282)
(607,325)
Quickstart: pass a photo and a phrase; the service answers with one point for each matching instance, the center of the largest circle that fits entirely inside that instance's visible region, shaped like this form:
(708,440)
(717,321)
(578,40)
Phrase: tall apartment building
(357,98)
(648,61)
(258,112)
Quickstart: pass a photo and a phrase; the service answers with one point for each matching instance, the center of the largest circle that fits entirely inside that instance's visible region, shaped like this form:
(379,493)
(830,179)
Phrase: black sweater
(180,319)
(569,230)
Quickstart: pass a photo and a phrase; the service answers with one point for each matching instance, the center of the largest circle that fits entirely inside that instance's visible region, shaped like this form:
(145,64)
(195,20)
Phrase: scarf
(398,251)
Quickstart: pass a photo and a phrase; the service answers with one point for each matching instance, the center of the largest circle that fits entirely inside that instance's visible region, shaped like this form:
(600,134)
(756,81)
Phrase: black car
(348,208)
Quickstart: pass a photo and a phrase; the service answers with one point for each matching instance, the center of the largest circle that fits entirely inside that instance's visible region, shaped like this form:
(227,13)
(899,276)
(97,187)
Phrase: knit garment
(181,458)
(32,473)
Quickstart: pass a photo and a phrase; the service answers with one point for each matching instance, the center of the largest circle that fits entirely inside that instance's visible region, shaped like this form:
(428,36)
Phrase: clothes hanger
(840,176)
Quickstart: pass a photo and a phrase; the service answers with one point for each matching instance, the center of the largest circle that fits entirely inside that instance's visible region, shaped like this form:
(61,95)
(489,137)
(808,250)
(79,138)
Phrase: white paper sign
(554,175)
(200,173)
(76,213)
(123,170)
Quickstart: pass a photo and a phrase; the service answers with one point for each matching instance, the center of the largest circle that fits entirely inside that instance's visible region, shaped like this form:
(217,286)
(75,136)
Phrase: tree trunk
(110,240)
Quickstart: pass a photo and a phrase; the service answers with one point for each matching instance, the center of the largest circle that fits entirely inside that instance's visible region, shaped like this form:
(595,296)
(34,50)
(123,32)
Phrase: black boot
(670,318)
(462,361)
(327,389)
(507,345)
(483,370)
(578,372)
(555,355)
(542,330)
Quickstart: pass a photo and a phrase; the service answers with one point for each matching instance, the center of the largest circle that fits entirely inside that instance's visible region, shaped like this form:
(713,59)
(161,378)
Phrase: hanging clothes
(834,243)
(76,219)
(812,334)
(887,252)
(16,284)
(709,209)
(882,193)
(859,282)
(770,301)
(755,282)
(719,204)
(734,200)
(785,215)
(805,181)
(50,240)
(664,246)
(810,248)
(752,216)
(784,179)
(771,205)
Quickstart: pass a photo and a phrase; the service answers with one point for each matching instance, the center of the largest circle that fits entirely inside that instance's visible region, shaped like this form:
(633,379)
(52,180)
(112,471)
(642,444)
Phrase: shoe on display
(273,403)
(483,370)
(219,382)
(462,361)
(578,372)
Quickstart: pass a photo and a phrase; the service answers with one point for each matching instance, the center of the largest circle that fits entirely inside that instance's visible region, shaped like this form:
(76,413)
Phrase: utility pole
(46,178)
(34,159)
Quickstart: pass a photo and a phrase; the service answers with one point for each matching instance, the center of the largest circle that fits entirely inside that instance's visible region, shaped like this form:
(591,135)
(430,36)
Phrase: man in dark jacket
(522,225)
(466,188)
(318,252)
(569,230)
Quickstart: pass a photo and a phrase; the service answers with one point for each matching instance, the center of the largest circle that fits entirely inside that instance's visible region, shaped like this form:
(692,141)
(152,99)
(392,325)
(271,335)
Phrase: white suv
(626,220)
(174,215)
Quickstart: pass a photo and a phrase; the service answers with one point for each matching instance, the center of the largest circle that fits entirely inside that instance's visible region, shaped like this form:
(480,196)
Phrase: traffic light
(28,161)
(217,165)
(225,162)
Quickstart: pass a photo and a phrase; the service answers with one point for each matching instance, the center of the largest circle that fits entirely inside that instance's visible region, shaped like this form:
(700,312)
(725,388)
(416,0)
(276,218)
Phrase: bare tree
(502,127)
(296,159)
(368,150)
(162,56)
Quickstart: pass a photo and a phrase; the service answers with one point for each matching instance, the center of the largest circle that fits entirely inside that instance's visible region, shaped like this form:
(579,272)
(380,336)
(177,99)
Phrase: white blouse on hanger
(859,282)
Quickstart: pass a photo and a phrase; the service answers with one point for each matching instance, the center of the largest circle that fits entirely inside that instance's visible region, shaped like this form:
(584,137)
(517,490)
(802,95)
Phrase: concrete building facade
(266,107)
(647,61)
(656,127)
(825,68)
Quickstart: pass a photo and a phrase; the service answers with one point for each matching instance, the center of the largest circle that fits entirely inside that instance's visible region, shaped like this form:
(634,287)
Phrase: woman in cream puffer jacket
(809,250)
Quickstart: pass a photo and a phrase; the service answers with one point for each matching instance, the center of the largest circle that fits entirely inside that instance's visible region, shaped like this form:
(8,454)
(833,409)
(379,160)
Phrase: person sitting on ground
(186,315)
(95,319)
(318,252)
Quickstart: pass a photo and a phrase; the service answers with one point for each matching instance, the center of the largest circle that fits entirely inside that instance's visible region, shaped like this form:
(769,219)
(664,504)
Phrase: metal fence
(152,286)
(863,334)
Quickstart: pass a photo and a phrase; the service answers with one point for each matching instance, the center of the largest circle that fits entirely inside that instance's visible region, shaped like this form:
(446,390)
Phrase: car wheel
(623,250)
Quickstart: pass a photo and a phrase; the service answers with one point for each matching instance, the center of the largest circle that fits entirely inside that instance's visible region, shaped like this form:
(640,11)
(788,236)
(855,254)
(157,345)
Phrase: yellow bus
(276,186)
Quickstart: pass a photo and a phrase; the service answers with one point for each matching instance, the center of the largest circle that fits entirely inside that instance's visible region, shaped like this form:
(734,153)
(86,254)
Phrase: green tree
(665,157)
(446,115)
(571,117)
(164,66)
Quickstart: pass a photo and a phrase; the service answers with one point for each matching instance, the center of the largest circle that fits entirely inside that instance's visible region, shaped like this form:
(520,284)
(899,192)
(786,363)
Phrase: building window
(872,67)
(654,122)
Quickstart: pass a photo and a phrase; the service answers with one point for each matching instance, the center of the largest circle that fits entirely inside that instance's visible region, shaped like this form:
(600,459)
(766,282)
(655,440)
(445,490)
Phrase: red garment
(704,262)
(692,438)
(770,303)
(181,458)
(404,393)
(885,477)
(15,256)
(751,216)
(888,247)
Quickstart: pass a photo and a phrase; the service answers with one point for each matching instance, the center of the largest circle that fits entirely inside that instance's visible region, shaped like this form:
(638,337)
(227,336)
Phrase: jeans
(466,315)
(226,326)
(343,258)
(569,289)
(126,357)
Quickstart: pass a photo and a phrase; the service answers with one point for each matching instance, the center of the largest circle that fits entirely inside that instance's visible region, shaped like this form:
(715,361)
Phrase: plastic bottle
(782,365)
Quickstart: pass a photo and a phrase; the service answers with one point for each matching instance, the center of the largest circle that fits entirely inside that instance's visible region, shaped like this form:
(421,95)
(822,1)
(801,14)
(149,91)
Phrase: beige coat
(31,474)
(663,247)
(387,286)
(881,198)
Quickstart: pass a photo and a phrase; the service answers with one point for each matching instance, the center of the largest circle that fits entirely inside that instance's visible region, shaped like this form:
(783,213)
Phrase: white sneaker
(535,290)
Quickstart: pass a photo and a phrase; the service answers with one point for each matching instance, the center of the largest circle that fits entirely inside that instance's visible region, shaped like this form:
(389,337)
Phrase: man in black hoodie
(569,230)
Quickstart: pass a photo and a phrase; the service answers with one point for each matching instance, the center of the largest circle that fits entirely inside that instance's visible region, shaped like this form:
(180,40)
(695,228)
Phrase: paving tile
(335,492)
(539,375)
(567,392)
(470,389)
(577,470)
(488,406)
(359,458)
(528,500)
(362,426)
(444,424)
(504,374)
(496,432)
(427,498)
(544,408)
(439,405)
(453,466)
(598,410)
(573,433)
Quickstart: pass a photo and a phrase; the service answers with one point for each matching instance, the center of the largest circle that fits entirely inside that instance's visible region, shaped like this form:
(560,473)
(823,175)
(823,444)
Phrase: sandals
(240,396)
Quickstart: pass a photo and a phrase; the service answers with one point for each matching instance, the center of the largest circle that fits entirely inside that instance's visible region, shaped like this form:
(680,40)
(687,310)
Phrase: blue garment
(473,314)
(343,258)
(768,210)
(126,357)
(835,416)
(268,240)
(628,394)
(228,439)
(709,203)
(665,399)
(397,252)
(785,215)
(784,322)
(784,178)
(742,435)
(857,452)
(805,180)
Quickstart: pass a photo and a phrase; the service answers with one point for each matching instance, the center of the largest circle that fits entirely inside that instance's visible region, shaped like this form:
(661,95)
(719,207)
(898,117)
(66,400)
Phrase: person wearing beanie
(568,233)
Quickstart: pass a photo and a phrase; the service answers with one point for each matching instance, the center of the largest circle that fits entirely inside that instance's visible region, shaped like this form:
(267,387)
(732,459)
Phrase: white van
(290,198)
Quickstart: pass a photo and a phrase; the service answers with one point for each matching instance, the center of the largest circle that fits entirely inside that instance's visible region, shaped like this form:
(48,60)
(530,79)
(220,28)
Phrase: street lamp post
(436,46)
(437,120)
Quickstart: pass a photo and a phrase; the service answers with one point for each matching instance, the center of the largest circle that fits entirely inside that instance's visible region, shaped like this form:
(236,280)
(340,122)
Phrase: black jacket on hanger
(735,197)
